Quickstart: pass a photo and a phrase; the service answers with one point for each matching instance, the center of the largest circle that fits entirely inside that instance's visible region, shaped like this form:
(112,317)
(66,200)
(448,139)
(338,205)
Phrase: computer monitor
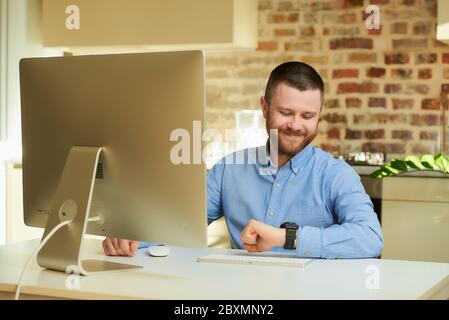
(96,140)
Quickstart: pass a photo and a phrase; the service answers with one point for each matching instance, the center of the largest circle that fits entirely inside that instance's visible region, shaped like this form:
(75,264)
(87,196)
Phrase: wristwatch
(290,234)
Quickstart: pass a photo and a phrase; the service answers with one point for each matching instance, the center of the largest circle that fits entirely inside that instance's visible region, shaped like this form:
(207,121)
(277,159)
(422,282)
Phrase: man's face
(295,114)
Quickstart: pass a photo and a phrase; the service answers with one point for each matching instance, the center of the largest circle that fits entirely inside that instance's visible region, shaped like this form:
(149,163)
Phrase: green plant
(426,162)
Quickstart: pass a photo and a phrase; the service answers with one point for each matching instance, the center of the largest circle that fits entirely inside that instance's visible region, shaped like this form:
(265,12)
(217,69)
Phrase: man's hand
(119,247)
(258,236)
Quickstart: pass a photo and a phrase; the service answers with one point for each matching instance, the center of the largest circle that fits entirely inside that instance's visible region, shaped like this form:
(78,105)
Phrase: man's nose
(295,123)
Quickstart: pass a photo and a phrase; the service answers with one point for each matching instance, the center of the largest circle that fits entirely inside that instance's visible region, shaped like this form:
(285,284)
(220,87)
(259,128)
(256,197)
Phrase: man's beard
(290,142)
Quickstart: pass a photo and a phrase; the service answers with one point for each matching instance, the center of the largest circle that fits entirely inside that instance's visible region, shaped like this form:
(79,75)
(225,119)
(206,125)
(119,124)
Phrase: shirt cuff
(310,242)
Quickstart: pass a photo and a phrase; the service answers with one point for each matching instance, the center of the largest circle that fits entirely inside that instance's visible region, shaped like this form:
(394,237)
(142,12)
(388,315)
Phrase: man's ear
(263,104)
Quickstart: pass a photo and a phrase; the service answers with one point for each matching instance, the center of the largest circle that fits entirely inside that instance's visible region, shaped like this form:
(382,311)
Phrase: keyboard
(255,260)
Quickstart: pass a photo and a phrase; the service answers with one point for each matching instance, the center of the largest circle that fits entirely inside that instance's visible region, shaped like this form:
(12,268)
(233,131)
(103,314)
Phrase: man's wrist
(281,237)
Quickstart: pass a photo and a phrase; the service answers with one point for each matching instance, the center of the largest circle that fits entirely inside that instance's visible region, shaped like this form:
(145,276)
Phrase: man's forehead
(292,98)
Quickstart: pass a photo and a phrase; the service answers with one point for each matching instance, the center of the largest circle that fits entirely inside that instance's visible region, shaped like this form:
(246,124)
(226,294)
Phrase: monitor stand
(72,202)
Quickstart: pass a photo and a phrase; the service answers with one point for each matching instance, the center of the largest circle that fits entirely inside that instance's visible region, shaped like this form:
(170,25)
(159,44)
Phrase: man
(298,199)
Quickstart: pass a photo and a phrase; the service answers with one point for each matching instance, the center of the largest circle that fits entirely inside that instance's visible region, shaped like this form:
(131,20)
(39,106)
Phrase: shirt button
(270,213)
(278,185)
(306,253)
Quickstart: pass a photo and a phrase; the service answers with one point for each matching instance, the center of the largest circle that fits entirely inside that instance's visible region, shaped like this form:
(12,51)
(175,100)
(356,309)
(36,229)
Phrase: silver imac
(96,145)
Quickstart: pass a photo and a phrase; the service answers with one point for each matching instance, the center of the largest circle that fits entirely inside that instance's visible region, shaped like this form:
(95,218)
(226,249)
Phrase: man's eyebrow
(302,112)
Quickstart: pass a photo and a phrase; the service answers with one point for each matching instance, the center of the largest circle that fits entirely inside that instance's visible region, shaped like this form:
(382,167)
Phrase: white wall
(20,38)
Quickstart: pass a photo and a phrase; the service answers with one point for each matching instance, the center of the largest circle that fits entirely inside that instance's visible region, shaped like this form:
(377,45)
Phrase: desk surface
(179,276)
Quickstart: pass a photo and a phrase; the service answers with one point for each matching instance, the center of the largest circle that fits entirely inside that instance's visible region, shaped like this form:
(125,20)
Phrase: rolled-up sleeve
(356,234)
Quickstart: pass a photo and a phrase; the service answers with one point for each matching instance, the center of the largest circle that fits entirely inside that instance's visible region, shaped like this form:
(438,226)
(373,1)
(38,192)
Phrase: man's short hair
(295,74)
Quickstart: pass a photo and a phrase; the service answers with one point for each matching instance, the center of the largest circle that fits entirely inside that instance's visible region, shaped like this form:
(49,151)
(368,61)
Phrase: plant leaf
(428,161)
(445,163)
(376,174)
(414,162)
(398,165)
(389,170)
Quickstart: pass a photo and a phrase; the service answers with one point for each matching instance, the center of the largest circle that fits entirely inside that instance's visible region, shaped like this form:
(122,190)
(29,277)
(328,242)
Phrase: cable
(43,242)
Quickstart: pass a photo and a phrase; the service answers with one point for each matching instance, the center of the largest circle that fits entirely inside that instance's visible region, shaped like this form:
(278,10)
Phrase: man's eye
(285,113)
(307,117)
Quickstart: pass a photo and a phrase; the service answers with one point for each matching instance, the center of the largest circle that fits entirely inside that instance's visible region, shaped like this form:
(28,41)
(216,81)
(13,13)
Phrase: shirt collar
(297,162)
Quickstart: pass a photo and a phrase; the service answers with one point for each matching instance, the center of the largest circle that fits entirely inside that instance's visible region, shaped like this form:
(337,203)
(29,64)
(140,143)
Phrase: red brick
(293,17)
(345,73)
(353,87)
(387,118)
(402,134)
(422,28)
(286,6)
(284,32)
(362,57)
(419,149)
(375,134)
(333,133)
(425,74)
(375,32)
(409,43)
(425,120)
(402,103)
(267,46)
(397,58)
(307,31)
(353,134)
(348,4)
(299,46)
(445,96)
(276,18)
(392,88)
(403,74)
(407,2)
(351,43)
(417,88)
(335,118)
(428,135)
(377,102)
(383,147)
(399,28)
(375,72)
(331,103)
(353,103)
(379,1)
(445,58)
(330,148)
(347,18)
(426,58)
(430,104)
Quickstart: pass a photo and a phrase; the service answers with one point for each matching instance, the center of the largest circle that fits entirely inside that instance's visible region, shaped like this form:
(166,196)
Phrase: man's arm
(214,182)
(357,233)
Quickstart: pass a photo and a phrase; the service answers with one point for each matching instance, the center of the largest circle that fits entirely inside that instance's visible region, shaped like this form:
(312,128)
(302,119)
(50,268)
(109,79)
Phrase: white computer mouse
(159,251)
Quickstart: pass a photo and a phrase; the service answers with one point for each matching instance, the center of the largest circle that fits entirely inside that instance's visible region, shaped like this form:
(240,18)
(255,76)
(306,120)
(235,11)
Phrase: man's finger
(133,245)
(105,249)
(110,248)
(250,247)
(124,247)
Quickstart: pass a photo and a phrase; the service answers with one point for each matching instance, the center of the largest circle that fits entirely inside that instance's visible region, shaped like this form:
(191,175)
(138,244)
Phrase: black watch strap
(290,234)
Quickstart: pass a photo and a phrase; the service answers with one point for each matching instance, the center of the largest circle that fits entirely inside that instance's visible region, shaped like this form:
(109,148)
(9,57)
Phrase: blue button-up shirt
(324,196)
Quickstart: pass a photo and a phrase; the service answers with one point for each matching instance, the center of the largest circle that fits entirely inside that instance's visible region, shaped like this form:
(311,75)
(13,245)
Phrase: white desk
(179,276)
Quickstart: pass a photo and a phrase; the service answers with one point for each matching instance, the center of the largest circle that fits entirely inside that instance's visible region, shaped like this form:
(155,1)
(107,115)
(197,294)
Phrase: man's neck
(282,159)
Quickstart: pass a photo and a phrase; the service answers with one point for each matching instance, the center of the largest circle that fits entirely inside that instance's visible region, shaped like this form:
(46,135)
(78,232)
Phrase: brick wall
(385,89)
